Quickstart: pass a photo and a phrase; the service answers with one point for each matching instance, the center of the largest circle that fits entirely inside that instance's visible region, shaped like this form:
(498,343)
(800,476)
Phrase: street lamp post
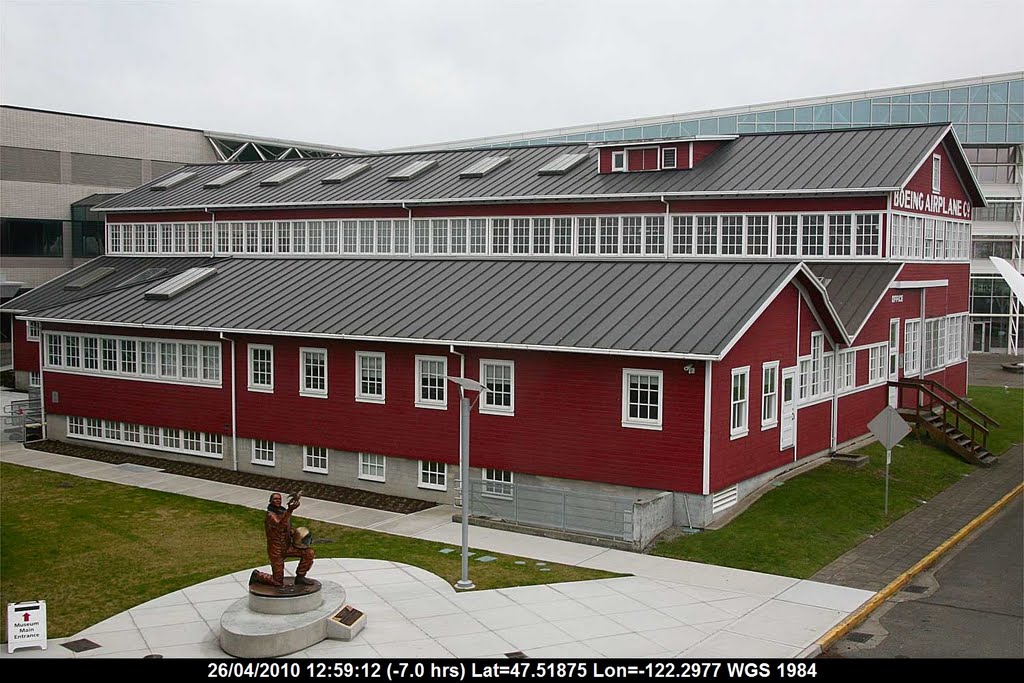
(465,407)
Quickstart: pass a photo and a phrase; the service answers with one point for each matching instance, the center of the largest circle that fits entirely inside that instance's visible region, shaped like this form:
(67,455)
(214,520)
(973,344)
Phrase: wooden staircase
(949,419)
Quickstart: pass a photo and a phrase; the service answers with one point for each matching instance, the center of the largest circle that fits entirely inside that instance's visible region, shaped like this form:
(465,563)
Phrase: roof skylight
(483,167)
(283,176)
(562,164)
(179,283)
(411,170)
(147,274)
(173,181)
(229,177)
(344,174)
(83,281)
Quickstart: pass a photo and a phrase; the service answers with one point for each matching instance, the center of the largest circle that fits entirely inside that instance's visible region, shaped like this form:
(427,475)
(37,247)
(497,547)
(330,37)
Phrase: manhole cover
(80,645)
(858,637)
(915,589)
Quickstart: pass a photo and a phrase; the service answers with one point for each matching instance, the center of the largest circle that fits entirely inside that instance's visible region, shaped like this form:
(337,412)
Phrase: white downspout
(234,422)
(668,228)
(412,247)
(213,230)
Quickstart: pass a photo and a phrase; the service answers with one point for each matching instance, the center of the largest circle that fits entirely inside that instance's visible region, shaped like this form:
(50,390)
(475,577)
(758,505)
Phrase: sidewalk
(668,608)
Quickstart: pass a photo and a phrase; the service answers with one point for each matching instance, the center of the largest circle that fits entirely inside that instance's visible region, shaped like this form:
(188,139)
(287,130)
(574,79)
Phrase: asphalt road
(970,604)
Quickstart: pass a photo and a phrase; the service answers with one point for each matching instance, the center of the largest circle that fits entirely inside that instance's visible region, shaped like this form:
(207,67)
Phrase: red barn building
(663,327)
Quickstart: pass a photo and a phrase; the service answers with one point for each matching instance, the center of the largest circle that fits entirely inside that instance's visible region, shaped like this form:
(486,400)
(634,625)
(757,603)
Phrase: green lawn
(808,521)
(93,549)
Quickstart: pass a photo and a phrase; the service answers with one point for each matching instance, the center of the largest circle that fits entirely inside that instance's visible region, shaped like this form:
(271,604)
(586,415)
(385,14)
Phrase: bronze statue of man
(281,545)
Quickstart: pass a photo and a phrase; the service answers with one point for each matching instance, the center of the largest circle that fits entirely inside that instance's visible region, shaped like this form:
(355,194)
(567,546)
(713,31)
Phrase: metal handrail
(975,425)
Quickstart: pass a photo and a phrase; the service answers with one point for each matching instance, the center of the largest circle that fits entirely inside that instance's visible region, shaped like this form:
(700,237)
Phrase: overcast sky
(384,73)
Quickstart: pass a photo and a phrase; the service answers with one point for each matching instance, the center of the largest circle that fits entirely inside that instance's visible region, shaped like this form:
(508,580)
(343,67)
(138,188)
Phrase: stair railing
(921,410)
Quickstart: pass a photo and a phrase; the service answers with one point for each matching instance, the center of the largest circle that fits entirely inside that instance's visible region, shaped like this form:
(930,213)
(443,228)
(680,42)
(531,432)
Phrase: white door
(894,359)
(787,411)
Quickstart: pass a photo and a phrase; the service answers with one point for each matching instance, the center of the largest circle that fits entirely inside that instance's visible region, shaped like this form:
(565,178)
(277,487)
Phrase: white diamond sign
(888,427)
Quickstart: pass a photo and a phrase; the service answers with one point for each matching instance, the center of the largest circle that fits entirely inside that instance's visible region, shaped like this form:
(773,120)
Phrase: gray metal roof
(681,308)
(837,161)
(53,293)
(855,288)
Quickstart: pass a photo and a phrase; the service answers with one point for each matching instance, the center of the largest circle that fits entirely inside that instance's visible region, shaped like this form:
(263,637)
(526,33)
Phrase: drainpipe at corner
(234,422)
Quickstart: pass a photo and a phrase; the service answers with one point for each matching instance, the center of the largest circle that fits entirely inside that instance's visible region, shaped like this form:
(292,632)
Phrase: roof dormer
(657,155)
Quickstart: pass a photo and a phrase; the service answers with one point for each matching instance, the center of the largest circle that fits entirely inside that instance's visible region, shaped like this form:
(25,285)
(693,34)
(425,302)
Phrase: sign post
(889,428)
(26,624)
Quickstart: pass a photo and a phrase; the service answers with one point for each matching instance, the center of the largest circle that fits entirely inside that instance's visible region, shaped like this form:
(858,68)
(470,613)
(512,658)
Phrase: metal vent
(344,174)
(724,499)
(563,164)
(416,168)
(281,177)
(173,181)
(483,167)
(179,283)
(92,276)
(227,178)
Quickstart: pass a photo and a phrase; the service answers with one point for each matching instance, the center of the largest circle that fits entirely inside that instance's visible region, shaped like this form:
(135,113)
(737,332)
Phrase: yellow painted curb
(850,622)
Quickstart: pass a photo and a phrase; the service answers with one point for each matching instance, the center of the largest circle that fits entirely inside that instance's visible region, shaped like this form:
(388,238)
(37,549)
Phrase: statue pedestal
(271,622)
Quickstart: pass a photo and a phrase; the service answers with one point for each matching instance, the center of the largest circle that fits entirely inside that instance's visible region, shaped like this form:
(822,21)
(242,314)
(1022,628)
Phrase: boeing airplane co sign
(910,200)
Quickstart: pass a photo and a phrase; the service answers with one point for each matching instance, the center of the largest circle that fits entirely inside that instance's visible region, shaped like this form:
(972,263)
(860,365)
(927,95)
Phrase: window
(934,344)
(586,237)
(314,459)
(313,372)
(34,379)
(147,358)
(707,234)
(682,235)
(54,350)
(369,377)
(869,235)
(128,356)
(168,360)
(131,433)
(193,441)
(190,361)
(109,347)
(936,173)
(94,427)
(609,235)
(170,438)
(32,330)
(840,235)
(732,235)
(111,430)
(76,425)
(769,394)
(641,398)
(431,378)
(371,467)
(151,436)
(499,378)
(500,236)
(632,234)
(261,368)
(757,235)
(786,230)
(812,235)
(433,475)
(213,444)
(497,483)
(262,452)
(739,402)
(846,373)
(618,161)
(655,235)
(73,352)
(911,350)
(877,355)
(541,235)
(668,157)
(520,235)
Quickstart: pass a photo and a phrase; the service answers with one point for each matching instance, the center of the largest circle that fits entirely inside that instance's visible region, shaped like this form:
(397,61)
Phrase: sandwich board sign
(26,625)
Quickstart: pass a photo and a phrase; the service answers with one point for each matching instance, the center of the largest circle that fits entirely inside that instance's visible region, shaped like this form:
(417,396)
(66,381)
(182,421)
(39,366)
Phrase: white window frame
(739,429)
(425,468)
(846,370)
(304,390)
(269,454)
(310,459)
(770,369)
(361,396)
(620,161)
(366,461)
(485,405)
(675,158)
(253,384)
(35,378)
(936,173)
(144,436)
(31,325)
(497,484)
(639,422)
(434,404)
(878,363)
(911,347)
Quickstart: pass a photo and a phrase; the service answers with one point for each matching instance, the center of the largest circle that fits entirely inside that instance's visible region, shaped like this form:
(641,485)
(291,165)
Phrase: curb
(865,610)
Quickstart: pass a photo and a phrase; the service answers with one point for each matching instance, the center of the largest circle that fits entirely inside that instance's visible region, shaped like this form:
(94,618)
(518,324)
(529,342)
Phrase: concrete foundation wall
(650,518)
